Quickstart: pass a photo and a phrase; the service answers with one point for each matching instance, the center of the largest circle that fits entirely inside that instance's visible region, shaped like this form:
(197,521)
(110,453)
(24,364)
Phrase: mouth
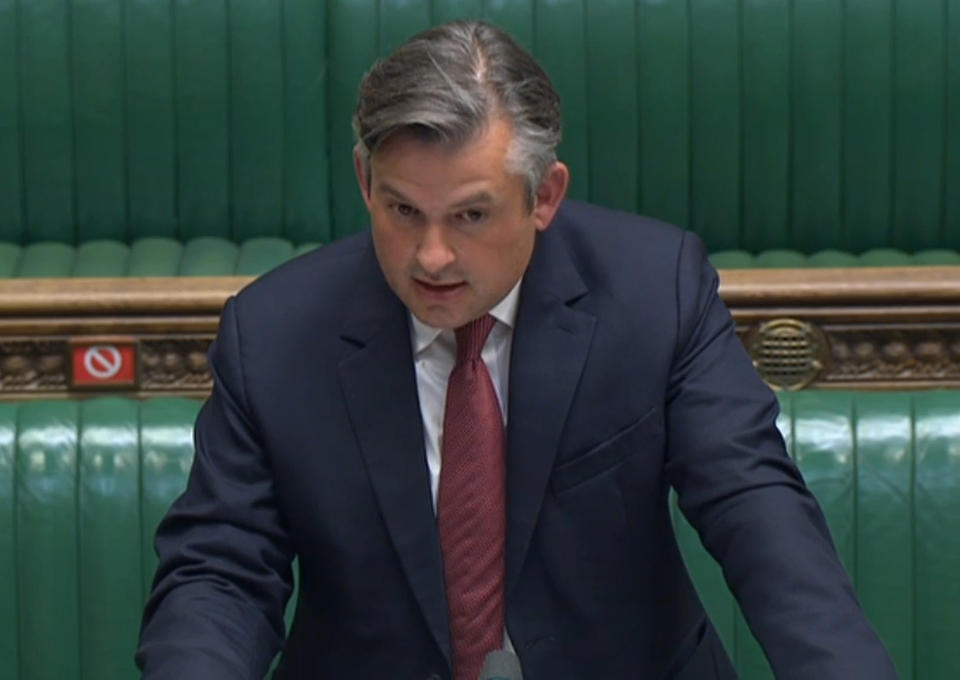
(439,290)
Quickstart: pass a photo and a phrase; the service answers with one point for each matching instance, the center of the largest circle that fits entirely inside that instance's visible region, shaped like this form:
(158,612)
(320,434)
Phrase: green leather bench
(215,256)
(802,125)
(84,484)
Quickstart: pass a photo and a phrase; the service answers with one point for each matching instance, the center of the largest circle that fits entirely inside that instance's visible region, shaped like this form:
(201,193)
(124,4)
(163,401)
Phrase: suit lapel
(550,346)
(379,387)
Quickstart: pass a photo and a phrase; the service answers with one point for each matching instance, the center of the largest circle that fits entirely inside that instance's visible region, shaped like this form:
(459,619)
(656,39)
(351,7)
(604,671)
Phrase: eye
(404,209)
(472,216)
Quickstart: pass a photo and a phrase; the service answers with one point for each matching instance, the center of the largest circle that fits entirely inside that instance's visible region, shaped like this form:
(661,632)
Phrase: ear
(551,193)
(361,173)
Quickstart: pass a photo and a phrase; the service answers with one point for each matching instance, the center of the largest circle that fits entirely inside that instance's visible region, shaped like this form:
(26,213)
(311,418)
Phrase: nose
(434,254)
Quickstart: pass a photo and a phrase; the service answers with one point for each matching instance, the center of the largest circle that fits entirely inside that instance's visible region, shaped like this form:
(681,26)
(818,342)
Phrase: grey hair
(445,85)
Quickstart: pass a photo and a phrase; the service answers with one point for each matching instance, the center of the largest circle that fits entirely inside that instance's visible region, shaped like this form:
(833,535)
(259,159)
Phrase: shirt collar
(504,311)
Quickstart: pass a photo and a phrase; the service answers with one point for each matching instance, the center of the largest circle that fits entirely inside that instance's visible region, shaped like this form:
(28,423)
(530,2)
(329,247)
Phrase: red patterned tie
(471,515)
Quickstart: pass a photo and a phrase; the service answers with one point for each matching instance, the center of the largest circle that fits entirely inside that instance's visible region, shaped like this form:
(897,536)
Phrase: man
(357,422)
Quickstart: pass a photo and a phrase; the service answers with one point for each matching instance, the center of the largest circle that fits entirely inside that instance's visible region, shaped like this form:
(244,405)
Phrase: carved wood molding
(890,327)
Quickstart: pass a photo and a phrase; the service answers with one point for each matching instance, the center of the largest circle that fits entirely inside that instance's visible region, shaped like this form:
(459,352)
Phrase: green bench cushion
(203,256)
(804,125)
(84,484)
(876,257)
(210,256)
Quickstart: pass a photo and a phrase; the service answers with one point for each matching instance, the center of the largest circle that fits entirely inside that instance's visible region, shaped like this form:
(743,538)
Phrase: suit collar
(380,391)
(550,347)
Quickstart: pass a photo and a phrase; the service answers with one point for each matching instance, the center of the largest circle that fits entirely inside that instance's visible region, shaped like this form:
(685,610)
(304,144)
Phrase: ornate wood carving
(29,365)
(884,327)
(178,364)
(906,354)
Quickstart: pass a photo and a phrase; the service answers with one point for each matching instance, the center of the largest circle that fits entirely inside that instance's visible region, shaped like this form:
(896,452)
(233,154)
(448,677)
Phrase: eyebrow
(480,197)
(387,189)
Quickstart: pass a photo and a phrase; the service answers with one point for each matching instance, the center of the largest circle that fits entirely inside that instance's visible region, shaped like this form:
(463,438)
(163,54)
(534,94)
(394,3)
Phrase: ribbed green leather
(9,601)
(876,257)
(202,256)
(84,484)
(886,470)
(760,124)
(211,256)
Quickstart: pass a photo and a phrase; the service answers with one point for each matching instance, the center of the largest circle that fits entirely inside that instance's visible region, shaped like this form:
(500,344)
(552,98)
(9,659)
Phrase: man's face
(450,225)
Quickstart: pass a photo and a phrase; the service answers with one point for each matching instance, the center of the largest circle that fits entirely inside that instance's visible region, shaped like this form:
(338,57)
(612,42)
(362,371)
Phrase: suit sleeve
(746,498)
(224,575)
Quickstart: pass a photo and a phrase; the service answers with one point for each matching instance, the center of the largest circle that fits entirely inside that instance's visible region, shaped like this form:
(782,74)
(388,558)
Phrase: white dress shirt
(434,354)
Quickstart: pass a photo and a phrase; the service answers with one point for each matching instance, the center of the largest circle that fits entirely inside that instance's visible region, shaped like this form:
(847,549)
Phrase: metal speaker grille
(788,354)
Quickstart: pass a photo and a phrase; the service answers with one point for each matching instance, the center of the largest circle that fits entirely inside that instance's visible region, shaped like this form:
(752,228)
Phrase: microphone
(501,665)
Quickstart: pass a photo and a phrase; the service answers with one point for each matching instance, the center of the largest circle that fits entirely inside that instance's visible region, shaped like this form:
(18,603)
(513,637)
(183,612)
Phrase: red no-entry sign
(104,364)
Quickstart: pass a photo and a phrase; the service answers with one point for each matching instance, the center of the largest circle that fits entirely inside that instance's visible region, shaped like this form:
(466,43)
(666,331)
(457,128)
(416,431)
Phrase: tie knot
(471,338)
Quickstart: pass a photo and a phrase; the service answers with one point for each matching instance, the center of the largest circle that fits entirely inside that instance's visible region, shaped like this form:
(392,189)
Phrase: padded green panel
(766,123)
(867,123)
(166,450)
(443,11)
(150,119)
(936,506)
(96,42)
(715,121)
(612,104)
(222,257)
(307,176)
(779,258)
(262,254)
(47,549)
(823,441)
(817,68)
(397,20)
(155,257)
(9,258)
(41,260)
(885,257)
(951,166)
(936,256)
(352,45)
(209,257)
(919,84)
(9,609)
(516,16)
(832,258)
(11,183)
(305,248)
(663,54)
(732,259)
(202,118)
(560,45)
(101,258)
(762,124)
(256,108)
(47,154)
(108,533)
(884,529)
(878,257)
(79,515)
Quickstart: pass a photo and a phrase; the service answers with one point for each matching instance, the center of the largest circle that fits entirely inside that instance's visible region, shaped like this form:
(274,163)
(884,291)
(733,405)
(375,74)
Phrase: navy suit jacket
(626,378)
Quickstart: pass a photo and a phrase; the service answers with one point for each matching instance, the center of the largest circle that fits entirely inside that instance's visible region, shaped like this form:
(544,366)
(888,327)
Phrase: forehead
(411,161)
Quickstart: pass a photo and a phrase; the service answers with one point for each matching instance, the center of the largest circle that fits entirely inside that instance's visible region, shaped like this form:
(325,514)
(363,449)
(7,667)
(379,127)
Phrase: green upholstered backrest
(885,468)
(82,488)
(84,484)
(760,124)
(201,256)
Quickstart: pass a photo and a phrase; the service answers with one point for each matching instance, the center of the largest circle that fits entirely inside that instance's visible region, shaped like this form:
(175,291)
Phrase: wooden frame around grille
(887,328)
